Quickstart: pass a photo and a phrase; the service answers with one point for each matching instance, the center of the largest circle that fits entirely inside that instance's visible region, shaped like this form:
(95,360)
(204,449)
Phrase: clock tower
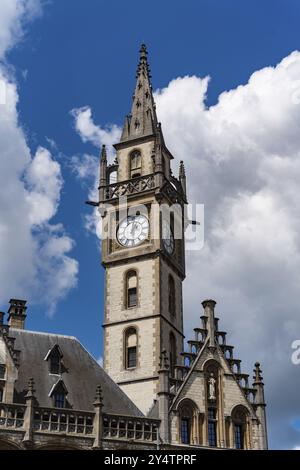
(142,208)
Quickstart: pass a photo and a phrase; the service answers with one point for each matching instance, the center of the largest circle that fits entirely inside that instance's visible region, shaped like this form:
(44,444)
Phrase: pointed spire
(103,168)
(142,120)
(103,154)
(257,378)
(182,177)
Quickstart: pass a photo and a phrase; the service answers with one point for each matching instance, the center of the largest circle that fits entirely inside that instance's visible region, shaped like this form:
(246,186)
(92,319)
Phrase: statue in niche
(212,387)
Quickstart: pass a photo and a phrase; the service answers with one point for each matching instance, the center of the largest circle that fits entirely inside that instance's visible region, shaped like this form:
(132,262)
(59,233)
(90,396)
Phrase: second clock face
(133,230)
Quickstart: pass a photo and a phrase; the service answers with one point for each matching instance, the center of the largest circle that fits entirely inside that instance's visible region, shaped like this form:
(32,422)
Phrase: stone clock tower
(142,250)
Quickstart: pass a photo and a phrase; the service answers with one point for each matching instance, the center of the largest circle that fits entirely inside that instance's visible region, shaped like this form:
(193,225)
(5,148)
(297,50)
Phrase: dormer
(59,393)
(54,357)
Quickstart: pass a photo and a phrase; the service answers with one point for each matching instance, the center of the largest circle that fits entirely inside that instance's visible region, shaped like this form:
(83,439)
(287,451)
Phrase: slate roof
(83,374)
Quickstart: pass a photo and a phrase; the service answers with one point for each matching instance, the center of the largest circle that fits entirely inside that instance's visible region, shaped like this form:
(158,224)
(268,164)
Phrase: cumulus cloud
(90,132)
(14,17)
(34,253)
(242,160)
(86,167)
(86,170)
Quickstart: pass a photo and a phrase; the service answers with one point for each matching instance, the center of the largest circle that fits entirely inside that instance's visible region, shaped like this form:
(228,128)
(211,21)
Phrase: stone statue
(212,387)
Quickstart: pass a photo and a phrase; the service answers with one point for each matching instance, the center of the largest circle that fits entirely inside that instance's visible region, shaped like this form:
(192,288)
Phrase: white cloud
(33,252)
(242,160)
(86,167)
(13,18)
(90,132)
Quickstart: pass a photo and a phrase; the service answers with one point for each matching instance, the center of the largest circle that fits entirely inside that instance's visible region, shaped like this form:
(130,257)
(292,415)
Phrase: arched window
(135,164)
(131,289)
(171,294)
(212,426)
(188,423)
(113,177)
(239,420)
(173,353)
(211,372)
(130,348)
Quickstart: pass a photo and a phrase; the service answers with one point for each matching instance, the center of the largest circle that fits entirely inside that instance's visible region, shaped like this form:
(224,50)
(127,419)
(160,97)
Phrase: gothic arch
(239,408)
(209,364)
(57,445)
(8,445)
(135,163)
(188,423)
(239,432)
(213,398)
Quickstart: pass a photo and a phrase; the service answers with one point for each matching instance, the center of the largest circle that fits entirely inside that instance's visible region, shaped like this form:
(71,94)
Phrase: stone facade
(152,393)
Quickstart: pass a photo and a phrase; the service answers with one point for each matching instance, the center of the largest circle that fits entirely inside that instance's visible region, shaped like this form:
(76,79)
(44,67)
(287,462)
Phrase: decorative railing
(129,187)
(63,421)
(79,423)
(12,416)
(124,427)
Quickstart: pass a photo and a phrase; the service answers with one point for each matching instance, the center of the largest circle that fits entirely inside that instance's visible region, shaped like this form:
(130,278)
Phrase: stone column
(260,406)
(29,414)
(98,419)
(163,398)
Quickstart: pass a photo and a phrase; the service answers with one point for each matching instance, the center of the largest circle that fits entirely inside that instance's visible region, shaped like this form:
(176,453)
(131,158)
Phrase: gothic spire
(142,120)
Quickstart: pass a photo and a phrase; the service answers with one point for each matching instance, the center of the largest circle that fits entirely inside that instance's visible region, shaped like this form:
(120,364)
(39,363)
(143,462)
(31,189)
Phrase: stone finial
(181,169)
(163,361)
(258,379)
(209,303)
(143,51)
(103,153)
(30,390)
(98,397)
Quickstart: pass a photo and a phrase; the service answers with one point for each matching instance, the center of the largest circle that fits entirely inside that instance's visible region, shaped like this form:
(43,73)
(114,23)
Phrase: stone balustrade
(128,428)
(12,416)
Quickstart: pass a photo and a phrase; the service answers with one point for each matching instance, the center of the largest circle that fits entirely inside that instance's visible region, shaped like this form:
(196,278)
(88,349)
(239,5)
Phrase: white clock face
(133,230)
(168,238)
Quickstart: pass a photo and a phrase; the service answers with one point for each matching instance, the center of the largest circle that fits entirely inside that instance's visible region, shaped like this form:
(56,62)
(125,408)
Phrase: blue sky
(84,53)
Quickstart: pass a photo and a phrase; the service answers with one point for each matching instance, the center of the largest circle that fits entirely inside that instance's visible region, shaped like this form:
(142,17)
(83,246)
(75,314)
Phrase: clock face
(168,238)
(133,230)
